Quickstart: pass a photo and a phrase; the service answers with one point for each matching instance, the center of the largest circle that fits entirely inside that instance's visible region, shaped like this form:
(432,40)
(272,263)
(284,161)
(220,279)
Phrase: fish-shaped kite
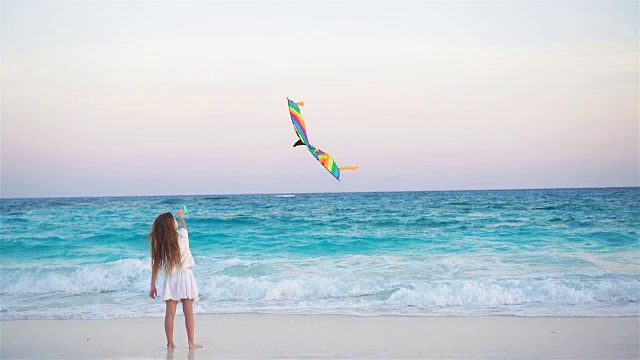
(301,130)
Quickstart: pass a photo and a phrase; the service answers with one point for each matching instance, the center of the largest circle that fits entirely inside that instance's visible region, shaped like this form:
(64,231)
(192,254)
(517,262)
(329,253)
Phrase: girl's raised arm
(180,215)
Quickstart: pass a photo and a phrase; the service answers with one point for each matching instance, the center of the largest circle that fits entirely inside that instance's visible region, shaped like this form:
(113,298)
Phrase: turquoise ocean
(521,252)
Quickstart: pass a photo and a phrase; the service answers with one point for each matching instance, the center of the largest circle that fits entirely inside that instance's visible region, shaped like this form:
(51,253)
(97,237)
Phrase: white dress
(181,283)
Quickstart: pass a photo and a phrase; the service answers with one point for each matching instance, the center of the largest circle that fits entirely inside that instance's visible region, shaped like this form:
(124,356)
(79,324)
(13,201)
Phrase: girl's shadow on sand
(171,352)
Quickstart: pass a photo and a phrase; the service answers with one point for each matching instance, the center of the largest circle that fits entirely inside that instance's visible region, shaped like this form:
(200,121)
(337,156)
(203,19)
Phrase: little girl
(170,250)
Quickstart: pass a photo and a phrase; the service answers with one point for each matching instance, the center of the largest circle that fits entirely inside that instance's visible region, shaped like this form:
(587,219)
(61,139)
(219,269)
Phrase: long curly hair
(165,251)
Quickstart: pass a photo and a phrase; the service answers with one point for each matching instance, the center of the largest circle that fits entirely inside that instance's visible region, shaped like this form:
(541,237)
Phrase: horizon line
(317,193)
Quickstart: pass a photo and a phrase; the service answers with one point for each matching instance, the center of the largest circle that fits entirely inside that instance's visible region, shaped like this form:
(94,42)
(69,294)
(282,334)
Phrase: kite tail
(348,168)
(300,103)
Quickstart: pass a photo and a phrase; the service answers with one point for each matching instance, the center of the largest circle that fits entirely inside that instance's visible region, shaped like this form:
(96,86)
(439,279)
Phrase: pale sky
(154,98)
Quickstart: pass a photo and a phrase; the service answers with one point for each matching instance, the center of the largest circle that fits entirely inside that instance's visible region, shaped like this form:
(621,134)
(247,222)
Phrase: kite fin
(348,168)
(298,143)
(300,103)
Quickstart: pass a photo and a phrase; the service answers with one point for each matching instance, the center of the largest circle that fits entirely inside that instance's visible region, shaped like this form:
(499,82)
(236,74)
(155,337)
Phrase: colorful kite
(301,130)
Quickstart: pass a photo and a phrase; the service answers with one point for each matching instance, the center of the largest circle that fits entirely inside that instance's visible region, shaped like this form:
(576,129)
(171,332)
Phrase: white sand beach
(327,336)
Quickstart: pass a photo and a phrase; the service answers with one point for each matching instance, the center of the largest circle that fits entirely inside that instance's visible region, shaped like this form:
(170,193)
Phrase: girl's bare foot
(171,346)
(195,346)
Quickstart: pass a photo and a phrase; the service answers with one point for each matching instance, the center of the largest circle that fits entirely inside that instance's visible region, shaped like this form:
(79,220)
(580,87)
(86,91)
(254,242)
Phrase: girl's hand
(153,292)
(180,213)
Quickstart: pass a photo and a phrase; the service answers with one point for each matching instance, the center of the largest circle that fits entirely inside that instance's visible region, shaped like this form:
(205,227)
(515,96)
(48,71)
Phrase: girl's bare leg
(169,316)
(189,322)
